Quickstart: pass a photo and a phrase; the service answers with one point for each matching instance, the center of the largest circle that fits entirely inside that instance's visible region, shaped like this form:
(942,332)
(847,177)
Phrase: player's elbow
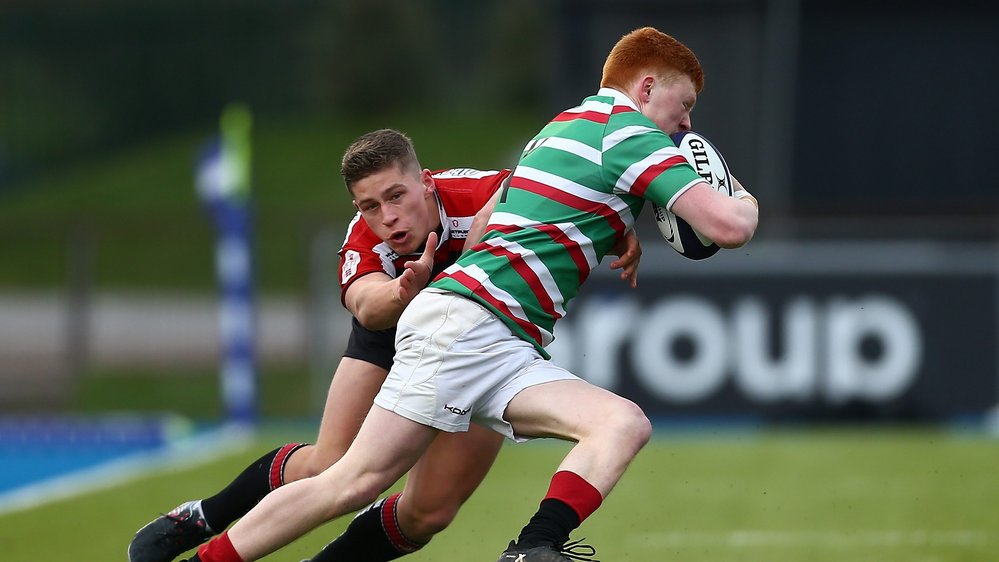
(735,228)
(373,319)
(735,233)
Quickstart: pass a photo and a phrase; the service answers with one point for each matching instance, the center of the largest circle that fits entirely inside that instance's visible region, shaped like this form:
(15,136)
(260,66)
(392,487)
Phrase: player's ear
(428,181)
(354,203)
(647,84)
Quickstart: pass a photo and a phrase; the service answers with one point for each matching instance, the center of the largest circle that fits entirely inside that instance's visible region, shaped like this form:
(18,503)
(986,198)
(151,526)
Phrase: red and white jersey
(461,192)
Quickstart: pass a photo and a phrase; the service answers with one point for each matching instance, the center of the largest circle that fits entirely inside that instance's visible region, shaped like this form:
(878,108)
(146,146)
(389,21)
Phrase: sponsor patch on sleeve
(350,260)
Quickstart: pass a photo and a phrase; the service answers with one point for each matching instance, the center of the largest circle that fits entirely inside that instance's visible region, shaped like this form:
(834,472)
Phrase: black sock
(551,525)
(255,482)
(366,539)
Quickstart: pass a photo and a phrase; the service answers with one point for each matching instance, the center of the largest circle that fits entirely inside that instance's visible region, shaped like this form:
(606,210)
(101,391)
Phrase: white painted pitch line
(184,453)
(821,539)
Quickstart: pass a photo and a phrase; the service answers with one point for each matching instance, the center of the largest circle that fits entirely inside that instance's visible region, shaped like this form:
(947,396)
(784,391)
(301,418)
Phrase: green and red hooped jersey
(579,186)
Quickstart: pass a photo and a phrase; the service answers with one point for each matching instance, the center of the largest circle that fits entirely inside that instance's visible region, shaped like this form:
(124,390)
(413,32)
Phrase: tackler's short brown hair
(376,151)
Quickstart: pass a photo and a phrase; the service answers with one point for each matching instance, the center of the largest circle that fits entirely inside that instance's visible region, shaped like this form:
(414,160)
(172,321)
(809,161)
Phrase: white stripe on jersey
(465,173)
(592,105)
(619,97)
(616,204)
(625,133)
(537,266)
(628,178)
(501,218)
(388,255)
(572,147)
(475,272)
(350,228)
(570,230)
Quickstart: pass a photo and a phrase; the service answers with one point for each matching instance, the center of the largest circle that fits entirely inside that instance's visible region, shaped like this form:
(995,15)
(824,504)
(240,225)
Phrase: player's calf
(374,535)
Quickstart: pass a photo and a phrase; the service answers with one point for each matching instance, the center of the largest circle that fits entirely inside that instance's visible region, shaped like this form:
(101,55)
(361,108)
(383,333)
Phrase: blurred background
(171,209)
(863,127)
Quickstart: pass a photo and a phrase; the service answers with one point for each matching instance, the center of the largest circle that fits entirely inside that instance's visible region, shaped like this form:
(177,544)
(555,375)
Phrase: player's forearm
(376,305)
(746,217)
(480,222)
(727,221)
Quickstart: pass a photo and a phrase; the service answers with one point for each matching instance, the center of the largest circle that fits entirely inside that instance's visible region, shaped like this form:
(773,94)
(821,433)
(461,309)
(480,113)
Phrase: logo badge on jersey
(458,227)
(350,261)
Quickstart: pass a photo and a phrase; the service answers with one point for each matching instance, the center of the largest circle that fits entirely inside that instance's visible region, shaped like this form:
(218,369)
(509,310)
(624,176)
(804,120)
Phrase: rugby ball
(710,165)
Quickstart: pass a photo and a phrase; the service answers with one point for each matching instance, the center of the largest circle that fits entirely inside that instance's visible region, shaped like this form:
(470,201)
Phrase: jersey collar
(445,223)
(619,97)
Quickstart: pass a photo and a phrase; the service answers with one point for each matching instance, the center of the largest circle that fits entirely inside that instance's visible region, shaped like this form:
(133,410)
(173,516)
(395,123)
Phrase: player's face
(670,103)
(399,206)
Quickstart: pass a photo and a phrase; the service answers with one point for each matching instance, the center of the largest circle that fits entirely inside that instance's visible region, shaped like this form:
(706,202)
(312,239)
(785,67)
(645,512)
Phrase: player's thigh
(451,469)
(568,409)
(352,391)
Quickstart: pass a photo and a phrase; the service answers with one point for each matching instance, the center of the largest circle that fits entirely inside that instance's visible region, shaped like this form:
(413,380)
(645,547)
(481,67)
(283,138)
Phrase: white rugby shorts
(456,362)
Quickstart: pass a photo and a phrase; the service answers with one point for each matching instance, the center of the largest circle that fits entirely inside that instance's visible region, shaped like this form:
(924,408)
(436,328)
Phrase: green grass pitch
(857,495)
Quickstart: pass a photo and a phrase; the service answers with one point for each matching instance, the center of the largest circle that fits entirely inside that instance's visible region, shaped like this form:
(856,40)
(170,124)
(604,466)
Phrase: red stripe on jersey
(595,116)
(504,228)
(652,172)
(478,290)
(555,233)
(528,274)
(622,109)
(571,246)
(570,200)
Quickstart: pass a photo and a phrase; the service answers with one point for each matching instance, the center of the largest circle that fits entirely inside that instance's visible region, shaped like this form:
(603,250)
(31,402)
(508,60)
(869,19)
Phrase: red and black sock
(256,481)
(570,500)
(373,536)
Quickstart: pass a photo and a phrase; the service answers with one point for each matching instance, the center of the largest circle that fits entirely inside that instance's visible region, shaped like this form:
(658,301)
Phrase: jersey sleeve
(477,185)
(490,187)
(359,255)
(643,161)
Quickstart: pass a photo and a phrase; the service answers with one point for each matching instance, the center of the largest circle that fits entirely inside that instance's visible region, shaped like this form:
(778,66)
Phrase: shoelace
(576,550)
(179,518)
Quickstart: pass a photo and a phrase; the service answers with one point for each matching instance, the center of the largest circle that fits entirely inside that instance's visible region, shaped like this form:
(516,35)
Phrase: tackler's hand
(629,253)
(417,273)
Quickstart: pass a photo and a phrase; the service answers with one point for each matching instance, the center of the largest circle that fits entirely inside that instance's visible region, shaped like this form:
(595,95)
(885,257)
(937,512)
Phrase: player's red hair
(649,50)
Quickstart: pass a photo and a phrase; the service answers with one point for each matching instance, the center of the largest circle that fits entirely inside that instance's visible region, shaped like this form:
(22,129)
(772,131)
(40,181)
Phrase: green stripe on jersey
(576,169)
(589,131)
(547,211)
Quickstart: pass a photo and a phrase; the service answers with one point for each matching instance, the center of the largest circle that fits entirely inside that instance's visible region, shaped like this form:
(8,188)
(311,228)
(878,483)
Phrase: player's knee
(321,460)
(297,465)
(628,426)
(362,492)
(310,461)
(427,523)
(365,489)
